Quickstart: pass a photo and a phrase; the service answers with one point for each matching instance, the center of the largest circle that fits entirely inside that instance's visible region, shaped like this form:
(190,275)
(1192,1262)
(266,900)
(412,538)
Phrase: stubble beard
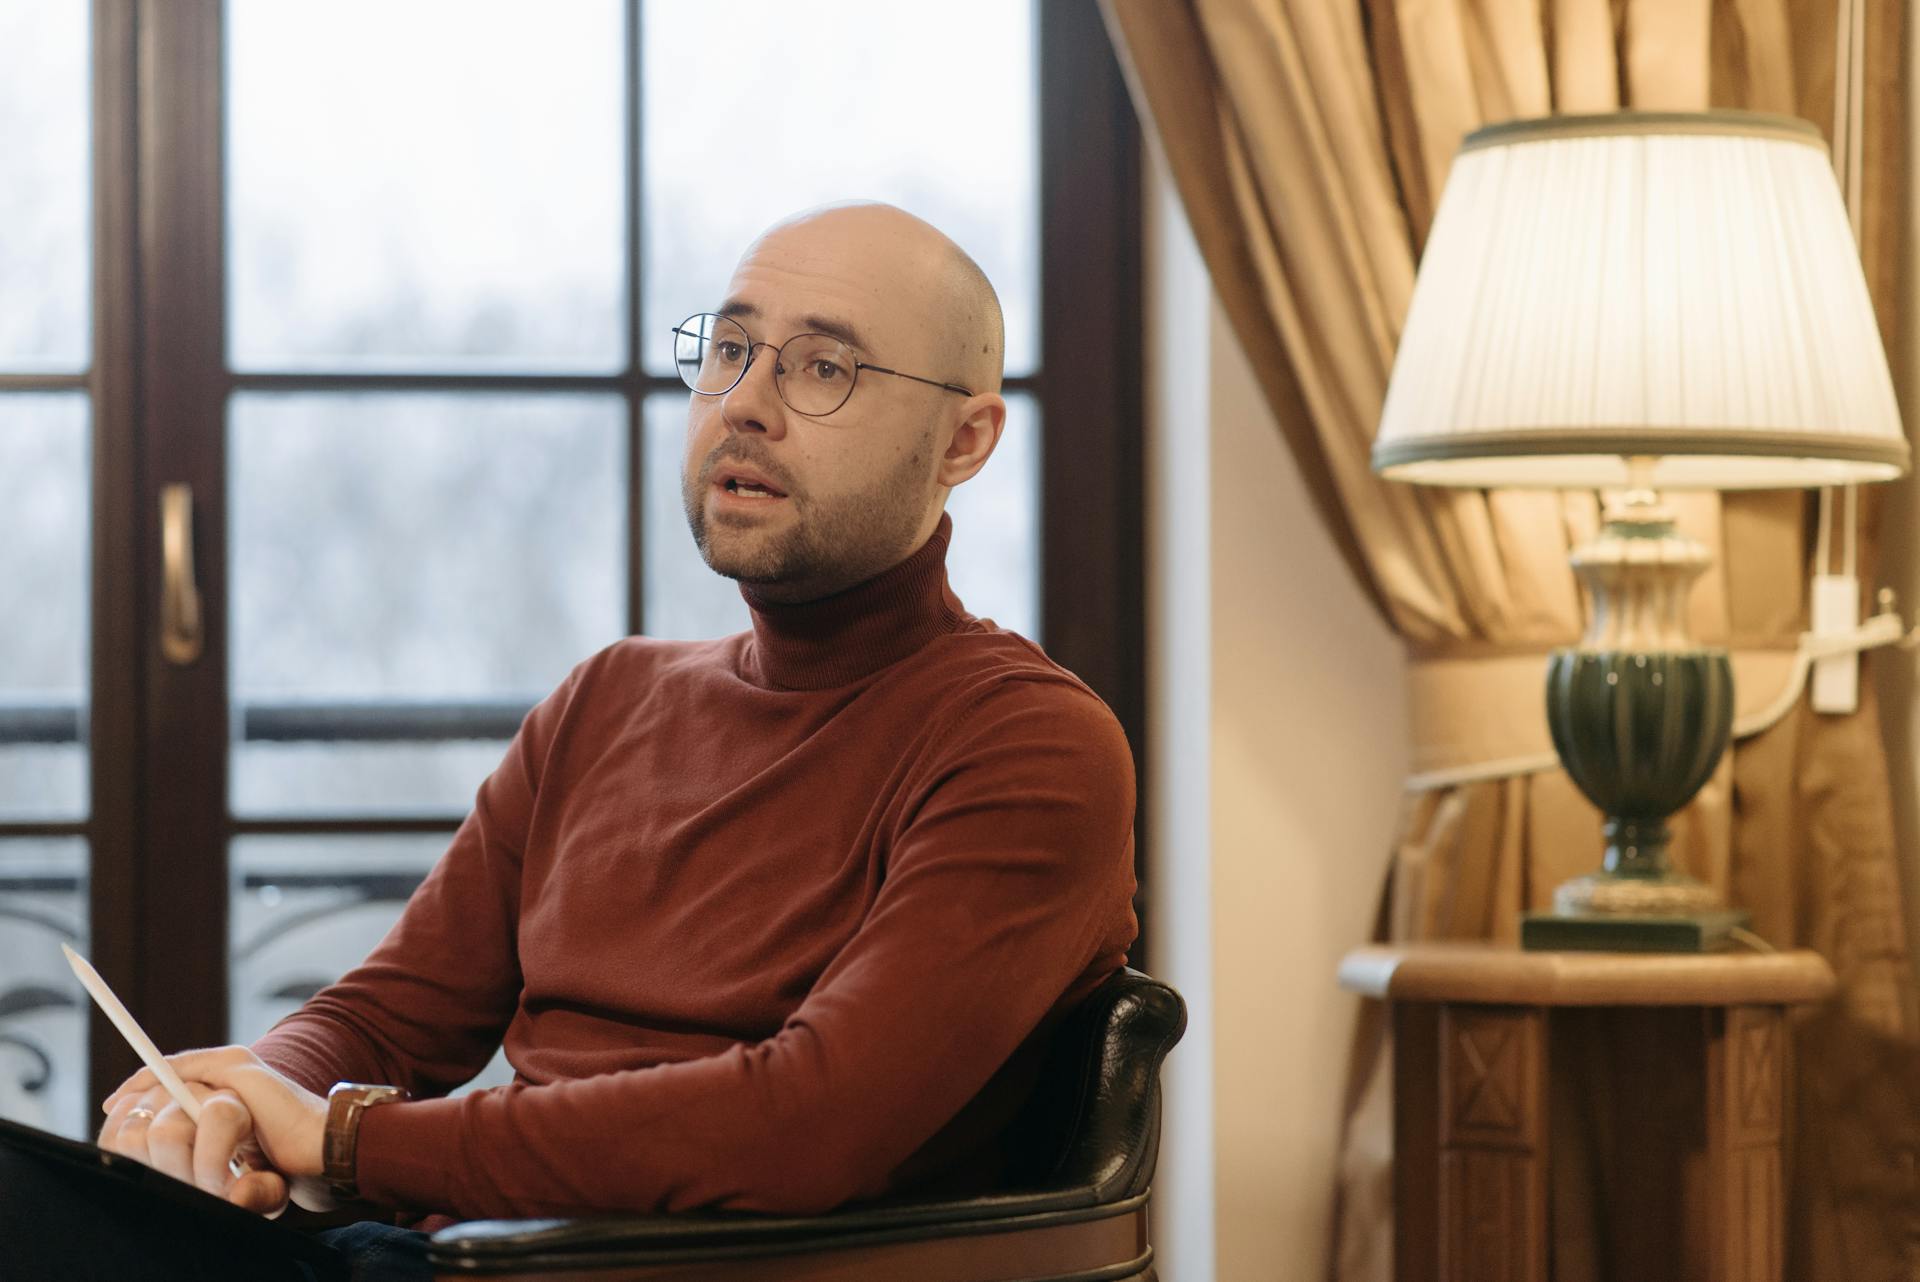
(825,546)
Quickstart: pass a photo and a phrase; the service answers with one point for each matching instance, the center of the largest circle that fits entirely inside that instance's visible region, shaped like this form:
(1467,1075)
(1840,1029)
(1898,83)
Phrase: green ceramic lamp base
(1639,714)
(1698,932)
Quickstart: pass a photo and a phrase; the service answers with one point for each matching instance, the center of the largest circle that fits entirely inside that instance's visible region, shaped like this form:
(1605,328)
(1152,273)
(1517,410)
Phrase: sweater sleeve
(1009,876)
(428,1006)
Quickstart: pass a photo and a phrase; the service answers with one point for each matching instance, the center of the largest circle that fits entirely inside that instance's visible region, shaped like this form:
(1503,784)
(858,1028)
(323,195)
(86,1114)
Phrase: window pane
(931,107)
(993,563)
(43,595)
(45,228)
(686,601)
(411,571)
(305,910)
(43,1014)
(429,185)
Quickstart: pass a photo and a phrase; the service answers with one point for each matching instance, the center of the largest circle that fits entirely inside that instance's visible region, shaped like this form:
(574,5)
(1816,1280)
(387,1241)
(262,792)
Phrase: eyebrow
(814,324)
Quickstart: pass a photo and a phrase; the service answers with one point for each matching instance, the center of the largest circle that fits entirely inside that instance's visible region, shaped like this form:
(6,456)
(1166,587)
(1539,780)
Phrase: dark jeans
(62,1224)
(380,1252)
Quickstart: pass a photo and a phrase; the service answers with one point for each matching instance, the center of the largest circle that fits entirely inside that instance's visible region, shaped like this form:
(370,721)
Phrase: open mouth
(750,489)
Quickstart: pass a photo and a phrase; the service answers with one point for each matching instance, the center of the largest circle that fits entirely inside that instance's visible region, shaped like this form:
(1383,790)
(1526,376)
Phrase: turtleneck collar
(836,640)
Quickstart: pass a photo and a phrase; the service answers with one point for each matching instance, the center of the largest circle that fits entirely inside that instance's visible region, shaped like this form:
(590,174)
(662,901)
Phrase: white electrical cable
(1883,629)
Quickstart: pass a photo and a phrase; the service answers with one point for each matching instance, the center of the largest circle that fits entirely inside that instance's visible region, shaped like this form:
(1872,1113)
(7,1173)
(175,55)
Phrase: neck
(832,640)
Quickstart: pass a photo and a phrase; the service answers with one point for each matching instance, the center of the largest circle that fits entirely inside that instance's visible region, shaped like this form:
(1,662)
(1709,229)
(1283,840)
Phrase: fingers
(225,1127)
(126,1127)
(188,1064)
(242,1104)
(152,1128)
(170,1140)
(262,1192)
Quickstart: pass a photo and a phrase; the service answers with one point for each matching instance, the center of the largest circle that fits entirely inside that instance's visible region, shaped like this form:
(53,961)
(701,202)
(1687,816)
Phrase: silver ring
(139,1112)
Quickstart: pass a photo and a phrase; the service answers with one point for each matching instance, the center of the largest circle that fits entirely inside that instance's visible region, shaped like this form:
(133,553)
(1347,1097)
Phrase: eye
(827,371)
(729,351)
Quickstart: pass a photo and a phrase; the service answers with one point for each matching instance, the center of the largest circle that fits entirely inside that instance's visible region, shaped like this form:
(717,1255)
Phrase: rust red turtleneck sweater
(760,920)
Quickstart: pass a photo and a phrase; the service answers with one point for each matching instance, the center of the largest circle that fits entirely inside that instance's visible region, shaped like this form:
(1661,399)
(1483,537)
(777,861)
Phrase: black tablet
(123,1181)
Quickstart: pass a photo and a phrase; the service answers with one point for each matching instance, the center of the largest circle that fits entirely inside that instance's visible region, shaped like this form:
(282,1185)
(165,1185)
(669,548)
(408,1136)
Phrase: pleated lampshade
(1683,287)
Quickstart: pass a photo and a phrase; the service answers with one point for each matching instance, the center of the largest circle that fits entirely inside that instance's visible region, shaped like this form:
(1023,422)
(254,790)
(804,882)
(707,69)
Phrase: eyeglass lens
(813,373)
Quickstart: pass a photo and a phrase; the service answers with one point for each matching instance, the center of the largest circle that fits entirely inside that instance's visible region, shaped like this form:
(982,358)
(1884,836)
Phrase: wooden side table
(1689,1052)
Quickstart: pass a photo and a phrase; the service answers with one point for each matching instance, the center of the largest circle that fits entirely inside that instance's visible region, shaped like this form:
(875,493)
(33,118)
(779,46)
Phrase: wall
(1269,852)
(1179,606)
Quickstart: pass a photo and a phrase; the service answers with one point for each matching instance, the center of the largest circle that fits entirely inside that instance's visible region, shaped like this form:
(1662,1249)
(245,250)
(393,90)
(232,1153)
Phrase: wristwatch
(345,1103)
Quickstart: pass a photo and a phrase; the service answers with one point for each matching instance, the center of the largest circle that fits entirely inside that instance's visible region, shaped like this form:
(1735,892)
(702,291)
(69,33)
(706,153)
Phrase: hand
(150,1127)
(289,1122)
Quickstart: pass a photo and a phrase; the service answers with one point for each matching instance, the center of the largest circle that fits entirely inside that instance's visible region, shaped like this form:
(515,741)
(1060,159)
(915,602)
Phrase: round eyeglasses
(814,373)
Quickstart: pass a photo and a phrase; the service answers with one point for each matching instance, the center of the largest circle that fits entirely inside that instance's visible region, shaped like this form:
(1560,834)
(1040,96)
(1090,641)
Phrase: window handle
(180,631)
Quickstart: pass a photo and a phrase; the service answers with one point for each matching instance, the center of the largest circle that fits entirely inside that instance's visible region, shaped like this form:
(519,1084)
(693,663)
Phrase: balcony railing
(42,1024)
(44,902)
(302,721)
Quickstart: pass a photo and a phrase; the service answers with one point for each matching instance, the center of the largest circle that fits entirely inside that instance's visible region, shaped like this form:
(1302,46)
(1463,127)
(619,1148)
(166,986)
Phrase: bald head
(979,331)
(880,250)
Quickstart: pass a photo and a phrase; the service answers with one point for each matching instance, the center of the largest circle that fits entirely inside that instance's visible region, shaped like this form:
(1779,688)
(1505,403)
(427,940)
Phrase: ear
(981,421)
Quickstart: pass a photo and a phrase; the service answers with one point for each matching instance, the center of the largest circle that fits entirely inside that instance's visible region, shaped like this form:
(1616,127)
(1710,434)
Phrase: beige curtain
(1310,141)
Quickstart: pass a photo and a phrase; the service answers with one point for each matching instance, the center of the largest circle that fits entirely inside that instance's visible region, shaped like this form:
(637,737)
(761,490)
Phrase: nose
(754,404)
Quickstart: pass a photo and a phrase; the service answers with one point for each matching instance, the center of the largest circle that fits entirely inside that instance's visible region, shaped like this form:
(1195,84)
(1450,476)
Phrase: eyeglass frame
(753,347)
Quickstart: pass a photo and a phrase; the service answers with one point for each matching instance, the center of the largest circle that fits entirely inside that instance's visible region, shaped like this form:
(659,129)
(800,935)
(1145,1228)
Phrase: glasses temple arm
(930,382)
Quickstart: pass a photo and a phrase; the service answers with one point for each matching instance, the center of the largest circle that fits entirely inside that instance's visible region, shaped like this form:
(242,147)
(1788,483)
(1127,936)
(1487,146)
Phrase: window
(404,289)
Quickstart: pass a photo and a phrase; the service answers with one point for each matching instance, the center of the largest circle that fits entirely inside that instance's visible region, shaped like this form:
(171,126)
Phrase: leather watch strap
(340,1147)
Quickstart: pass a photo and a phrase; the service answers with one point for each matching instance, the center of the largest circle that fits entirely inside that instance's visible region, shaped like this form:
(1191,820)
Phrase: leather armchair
(1075,1209)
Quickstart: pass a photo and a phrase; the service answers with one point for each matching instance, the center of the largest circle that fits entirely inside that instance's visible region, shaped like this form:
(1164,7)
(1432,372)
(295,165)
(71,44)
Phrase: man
(766,923)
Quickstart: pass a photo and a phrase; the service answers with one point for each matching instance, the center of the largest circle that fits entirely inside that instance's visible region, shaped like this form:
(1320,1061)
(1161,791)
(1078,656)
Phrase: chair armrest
(705,1227)
(516,1246)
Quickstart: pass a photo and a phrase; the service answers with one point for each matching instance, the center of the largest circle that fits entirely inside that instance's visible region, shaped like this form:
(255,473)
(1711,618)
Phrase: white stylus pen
(136,1036)
(306,1192)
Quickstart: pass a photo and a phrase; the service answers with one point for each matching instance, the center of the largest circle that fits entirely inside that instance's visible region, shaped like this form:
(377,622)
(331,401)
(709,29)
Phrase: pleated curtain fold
(1310,141)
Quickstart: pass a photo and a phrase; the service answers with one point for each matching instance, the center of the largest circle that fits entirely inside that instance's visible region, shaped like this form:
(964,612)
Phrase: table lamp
(1638,302)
